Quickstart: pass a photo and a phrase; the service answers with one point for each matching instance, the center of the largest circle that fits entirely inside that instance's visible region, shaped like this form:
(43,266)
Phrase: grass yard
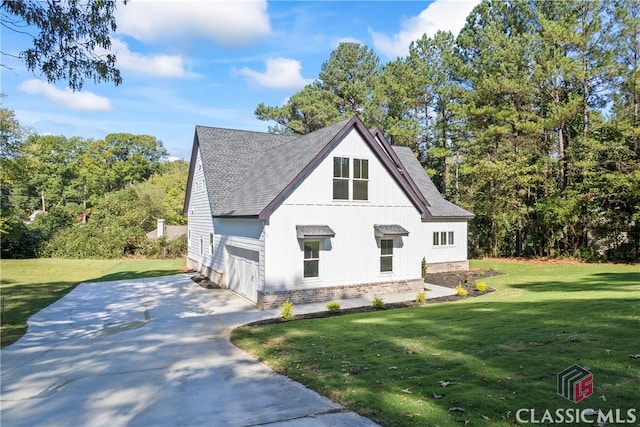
(476,361)
(30,285)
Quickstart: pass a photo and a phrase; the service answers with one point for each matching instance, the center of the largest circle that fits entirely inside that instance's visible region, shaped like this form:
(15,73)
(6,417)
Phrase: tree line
(86,198)
(529,118)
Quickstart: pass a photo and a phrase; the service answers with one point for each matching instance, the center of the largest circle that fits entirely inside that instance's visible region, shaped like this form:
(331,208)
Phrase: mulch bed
(450,280)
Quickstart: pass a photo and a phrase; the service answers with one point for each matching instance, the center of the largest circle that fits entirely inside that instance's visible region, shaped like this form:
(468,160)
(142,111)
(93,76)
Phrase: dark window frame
(309,260)
(340,181)
(386,255)
(360,179)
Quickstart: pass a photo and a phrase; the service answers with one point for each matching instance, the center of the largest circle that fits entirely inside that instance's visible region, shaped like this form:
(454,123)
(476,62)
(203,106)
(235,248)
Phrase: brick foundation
(444,267)
(272,299)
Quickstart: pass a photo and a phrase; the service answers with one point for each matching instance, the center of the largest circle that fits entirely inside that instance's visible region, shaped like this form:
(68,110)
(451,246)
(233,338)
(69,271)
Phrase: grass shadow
(604,281)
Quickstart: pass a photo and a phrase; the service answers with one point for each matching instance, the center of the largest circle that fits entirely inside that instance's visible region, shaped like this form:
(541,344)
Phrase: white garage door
(243,271)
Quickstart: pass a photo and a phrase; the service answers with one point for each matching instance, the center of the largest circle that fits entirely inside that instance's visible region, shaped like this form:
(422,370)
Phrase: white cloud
(159,65)
(444,15)
(81,101)
(229,23)
(347,40)
(280,73)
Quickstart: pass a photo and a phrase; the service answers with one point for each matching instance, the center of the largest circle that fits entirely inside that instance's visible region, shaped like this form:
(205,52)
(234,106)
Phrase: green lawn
(29,285)
(475,361)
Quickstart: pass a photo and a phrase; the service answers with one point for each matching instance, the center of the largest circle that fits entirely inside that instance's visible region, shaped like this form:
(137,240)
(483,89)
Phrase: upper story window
(360,179)
(342,176)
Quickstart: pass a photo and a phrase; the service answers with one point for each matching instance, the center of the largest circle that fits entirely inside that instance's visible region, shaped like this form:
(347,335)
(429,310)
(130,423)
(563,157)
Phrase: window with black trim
(210,243)
(443,238)
(360,179)
(311,258)
(386,255)
(341,178)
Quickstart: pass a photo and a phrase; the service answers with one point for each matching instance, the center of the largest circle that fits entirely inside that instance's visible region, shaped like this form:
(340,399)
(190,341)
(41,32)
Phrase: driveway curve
(150,352)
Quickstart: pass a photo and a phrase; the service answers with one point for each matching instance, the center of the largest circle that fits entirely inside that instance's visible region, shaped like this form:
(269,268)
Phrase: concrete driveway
(150,352)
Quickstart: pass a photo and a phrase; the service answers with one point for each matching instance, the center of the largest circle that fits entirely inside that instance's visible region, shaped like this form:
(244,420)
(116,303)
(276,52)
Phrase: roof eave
(449,217)
(192,166)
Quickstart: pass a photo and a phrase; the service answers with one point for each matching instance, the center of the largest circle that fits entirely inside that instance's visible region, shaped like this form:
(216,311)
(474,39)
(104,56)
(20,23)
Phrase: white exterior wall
(200,222)
(446,253)
(241,233)
(353,255)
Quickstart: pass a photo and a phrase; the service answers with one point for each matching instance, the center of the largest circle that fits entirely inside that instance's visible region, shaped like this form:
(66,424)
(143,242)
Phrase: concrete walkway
(153,352)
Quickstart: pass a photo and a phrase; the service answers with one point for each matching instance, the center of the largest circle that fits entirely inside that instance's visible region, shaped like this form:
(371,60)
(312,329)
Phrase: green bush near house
(286,310)
(377,303)
(333,307)
(481,286)
(460,290)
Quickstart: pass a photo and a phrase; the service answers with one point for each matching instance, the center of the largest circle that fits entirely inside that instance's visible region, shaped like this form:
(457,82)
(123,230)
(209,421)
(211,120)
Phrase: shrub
(421,297)
(481,286)
(460,290)
(377,303)
(333,307)
(286,310)
(424,267)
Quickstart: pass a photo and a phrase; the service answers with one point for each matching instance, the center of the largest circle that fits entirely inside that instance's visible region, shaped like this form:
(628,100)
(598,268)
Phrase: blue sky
(203,62)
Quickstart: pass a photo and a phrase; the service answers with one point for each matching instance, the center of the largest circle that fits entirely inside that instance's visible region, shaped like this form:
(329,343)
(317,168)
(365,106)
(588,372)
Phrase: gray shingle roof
(270,174)
(389,230)
(248,172)
(309,231)
(228,155)
(438,205)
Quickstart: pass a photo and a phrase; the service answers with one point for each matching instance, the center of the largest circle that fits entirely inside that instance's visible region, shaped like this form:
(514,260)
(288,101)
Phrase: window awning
(314,231)
(390,230)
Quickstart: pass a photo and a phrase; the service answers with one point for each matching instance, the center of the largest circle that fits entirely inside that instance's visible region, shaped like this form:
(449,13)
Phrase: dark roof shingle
(438,206)
(248,172)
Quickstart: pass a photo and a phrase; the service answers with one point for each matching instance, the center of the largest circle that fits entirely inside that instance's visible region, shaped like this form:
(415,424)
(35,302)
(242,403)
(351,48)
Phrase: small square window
(340,189)
(361,168)
(360,190)
(341,167)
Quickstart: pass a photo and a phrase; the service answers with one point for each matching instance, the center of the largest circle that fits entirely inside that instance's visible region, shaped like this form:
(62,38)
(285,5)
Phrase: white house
(332,214)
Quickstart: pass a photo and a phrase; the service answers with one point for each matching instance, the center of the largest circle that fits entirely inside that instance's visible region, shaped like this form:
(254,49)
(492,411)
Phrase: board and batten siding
(445,253)
(353,255)
(200,221)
